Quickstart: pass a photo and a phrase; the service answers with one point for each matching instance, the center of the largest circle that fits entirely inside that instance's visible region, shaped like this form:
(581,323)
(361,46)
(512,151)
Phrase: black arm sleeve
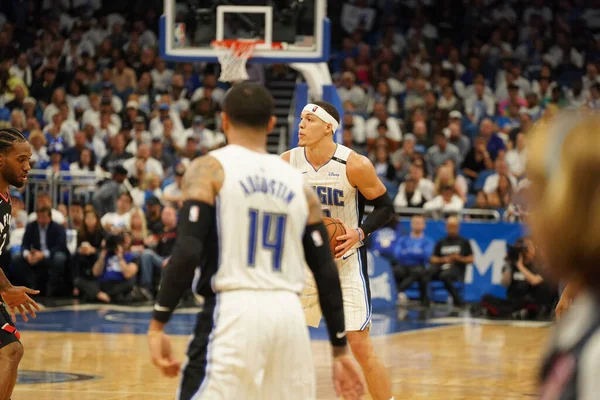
(320,261)
(196,220)
(383,212)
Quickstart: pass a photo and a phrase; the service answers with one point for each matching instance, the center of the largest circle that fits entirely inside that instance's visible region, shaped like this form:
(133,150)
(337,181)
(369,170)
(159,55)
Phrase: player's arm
(201,184)
(320,261)
(361,174)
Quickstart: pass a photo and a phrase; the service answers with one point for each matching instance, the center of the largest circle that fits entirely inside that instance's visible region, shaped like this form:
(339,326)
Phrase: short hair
(44,210)
(8,137)
(249,104)
(330,108)
(382,126)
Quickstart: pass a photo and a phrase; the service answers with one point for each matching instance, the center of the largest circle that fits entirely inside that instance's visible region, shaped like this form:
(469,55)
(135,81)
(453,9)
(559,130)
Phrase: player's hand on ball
(17,300)
(347,378)
(162,354)
(349,239)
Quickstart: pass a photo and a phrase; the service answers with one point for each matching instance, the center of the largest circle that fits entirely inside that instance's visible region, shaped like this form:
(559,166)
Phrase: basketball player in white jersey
(249,222)
(344,181)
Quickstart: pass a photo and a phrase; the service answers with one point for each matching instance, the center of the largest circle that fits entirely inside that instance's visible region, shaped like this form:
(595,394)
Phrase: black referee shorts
(8,332)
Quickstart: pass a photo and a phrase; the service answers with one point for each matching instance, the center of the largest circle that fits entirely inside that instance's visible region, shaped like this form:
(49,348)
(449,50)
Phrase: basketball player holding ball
(345,181)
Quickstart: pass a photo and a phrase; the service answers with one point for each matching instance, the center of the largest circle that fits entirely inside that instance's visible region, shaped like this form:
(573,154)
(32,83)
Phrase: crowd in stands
(439,94)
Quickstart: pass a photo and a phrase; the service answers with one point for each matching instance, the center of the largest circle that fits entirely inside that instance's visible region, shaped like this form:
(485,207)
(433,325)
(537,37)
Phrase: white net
(232,56)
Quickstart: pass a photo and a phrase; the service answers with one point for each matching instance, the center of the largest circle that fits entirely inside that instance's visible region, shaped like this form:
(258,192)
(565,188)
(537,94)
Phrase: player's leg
(11,352)
(225,360)
(289,373)
(376,374)
(357,312)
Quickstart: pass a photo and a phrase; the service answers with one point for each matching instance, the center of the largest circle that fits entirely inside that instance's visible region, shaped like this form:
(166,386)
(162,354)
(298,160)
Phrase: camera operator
(113,271)
(528,294)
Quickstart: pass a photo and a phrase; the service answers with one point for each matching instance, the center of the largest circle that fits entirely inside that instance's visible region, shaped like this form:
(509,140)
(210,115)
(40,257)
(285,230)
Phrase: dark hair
(249,104)
(44,210)
(382,125)
(8,136)
(330,108)
(92,159)
(128,196)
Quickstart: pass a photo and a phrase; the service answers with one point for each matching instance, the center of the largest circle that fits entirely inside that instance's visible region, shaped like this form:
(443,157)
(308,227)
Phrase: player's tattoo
(4,283)
(314,206)
(203,180)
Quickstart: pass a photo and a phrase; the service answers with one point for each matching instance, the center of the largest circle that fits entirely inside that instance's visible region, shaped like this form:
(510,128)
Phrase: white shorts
(258,348)
(354,280)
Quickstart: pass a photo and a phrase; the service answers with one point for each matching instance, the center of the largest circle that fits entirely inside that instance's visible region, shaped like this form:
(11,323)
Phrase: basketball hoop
(233,55)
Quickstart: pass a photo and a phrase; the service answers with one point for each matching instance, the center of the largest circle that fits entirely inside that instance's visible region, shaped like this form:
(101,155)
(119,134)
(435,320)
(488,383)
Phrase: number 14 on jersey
(270,228)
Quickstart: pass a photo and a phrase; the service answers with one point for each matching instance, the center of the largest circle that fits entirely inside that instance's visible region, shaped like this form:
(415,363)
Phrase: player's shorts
(8,332)
(354,279)
(249,345)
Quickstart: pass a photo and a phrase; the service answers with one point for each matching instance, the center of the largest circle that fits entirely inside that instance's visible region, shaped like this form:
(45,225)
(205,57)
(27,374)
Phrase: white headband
(322,114)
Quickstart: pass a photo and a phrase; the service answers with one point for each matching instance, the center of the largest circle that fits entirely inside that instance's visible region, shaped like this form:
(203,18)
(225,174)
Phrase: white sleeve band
(322,114)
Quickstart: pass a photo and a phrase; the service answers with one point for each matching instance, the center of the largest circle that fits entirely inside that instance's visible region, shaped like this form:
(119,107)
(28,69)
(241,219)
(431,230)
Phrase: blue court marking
(104,319)
(30,377)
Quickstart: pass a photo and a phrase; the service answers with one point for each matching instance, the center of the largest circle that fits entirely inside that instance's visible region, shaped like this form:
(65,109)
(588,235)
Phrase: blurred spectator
(491,182)
(75,216)
(450,258)
(516,159)
(500,198)
(114,272)
(383,95)
(39,154)
(440,152)
(153,260)
(18,213)
(153,215)
(147,189)
(116,222)
(383,165)
(411,256)
(43,200)
(448,176)
(480,104)
(349,91)
(117,156)
(150,165)
(172,192)
(138,229)
(455,136)
(493,143)
(89,242)
(44,255)
(409,194)
(478,159)
(402,158)
(425,186)
(446,201)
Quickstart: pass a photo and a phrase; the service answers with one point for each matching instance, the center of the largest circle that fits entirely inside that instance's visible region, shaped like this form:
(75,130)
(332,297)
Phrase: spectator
(448,176)
(139,135)
(516,159)
(448,101)
(114,272)
(209,90)
(89,242)
(479,105)
(478,159)
(151,165)
(153,215)
(384,96)
(138,229)
(43,200)
(18,213)
(456,137)
(409,195)
(424,139)
(123,77)
(501,197)
(172,193)
(383,166)
(117,156)
(154,260)
(39,154)
(491,182)
(411,255)
(450,258)
(349,91)
(116,222)
(446,201)
(148,188)
(161,76)
(75,216)
(425,186)
(442,151)
(72,154)
(44,254)
(494,144)
(402,158)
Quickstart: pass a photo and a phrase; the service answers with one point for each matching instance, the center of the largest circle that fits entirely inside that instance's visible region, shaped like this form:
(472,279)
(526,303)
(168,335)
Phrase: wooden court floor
(463,361)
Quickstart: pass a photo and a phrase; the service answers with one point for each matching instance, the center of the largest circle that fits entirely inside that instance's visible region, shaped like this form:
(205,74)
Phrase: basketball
(334,229)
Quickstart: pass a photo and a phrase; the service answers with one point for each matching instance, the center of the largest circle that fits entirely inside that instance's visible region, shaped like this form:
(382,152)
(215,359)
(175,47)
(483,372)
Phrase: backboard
(290,30)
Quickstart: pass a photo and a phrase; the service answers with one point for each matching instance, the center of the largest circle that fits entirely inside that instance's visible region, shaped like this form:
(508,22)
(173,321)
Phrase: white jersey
(261,215)
(339,199)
